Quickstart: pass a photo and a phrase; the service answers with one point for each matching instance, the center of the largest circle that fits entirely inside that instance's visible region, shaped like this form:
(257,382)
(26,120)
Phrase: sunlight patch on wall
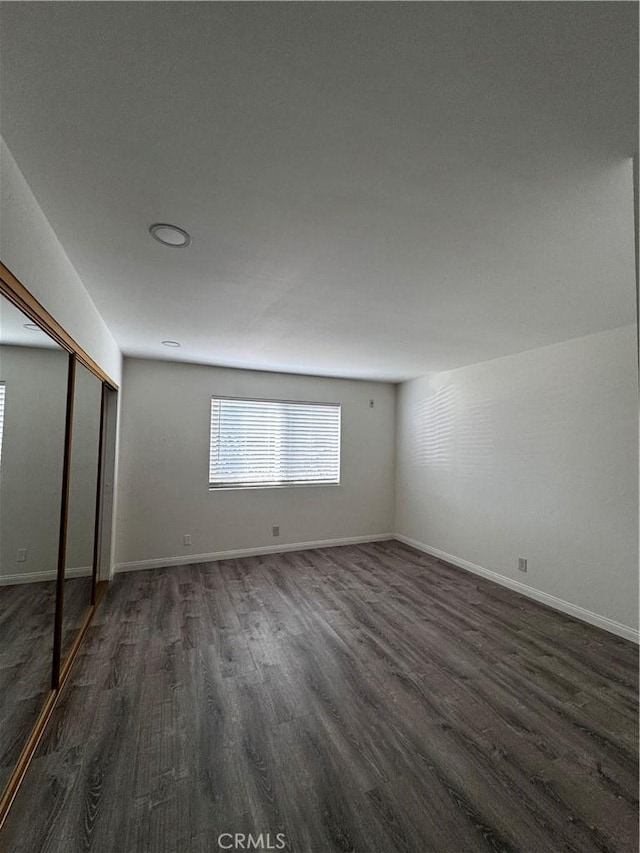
(453,434)
(434,425)
(474,438)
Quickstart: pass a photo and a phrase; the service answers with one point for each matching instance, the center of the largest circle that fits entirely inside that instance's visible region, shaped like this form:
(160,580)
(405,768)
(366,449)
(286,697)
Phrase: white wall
(32,455)
(33,253)
(163,466)
(532,455)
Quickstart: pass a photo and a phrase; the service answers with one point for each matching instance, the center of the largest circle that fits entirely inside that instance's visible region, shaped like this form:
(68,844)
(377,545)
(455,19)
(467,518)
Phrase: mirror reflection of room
(83,484)
(33,392)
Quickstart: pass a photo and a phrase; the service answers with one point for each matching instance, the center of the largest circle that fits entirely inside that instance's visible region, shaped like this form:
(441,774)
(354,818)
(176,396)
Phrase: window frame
(222,486)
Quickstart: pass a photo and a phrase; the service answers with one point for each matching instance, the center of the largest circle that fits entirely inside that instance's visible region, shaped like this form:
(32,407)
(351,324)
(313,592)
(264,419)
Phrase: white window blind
(273,443)
(2,390)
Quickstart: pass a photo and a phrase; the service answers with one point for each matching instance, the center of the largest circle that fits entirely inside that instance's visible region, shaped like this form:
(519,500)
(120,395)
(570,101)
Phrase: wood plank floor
(358,698)
(27,615)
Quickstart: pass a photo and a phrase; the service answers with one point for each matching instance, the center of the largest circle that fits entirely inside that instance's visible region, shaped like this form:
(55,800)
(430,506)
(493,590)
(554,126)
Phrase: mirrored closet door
(54,493)
(33,398)
(80,557)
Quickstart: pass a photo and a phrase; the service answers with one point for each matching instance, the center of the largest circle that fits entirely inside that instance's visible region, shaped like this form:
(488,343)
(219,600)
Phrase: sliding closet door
(33,395)
(84,472)
(53,505)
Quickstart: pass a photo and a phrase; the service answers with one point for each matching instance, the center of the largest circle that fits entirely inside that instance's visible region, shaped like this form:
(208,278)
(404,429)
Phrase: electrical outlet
(186,539)
(276,530)
(522,564)
(21,555)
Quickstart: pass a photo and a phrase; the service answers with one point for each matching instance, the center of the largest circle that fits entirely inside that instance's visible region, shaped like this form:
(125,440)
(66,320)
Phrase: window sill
(236,487)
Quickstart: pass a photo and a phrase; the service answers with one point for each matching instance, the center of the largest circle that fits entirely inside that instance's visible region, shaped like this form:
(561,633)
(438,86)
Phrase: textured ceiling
(373,189)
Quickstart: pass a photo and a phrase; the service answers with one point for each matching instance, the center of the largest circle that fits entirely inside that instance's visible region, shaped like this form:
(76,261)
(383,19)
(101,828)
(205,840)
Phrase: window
(258,443)
(2,389)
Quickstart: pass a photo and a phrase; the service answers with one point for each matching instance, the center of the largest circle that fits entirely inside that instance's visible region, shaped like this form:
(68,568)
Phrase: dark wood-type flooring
(27,614)
(363,698)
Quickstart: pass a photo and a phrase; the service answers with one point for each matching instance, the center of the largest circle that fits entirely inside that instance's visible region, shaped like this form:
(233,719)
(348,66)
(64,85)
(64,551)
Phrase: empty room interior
(319,427)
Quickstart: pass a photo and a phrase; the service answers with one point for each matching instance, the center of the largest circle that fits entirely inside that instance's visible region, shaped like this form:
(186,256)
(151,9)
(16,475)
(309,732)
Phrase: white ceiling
(13,332)
(373,189)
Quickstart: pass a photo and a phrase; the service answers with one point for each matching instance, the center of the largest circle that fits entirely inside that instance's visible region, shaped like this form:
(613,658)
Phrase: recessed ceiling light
(171,343)
(170,235)
(32,327)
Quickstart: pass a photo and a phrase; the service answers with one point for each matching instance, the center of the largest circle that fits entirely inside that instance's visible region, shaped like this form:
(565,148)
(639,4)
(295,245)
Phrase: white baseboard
(39,577)
(161,562)
(543,597)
